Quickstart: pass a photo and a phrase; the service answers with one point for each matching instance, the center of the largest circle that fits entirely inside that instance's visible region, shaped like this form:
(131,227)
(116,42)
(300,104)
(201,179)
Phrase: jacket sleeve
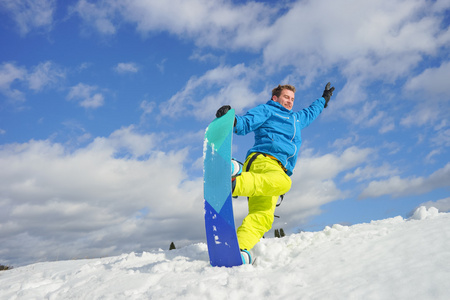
(307,115)
(252,120)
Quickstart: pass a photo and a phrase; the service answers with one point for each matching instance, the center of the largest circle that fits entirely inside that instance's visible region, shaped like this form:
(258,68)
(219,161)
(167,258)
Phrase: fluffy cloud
(370,172)
(31,14)
(431,82)
(99,15)
(382,39)
(428,91)
(203,95)
(86,95)
(397,186)
(429,103)
(9,74)
(43,75)
(210,23)
(443,205)
(96,200)
(126,68)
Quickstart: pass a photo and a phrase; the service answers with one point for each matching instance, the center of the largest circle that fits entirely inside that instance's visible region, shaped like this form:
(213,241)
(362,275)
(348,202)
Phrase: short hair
(277,91)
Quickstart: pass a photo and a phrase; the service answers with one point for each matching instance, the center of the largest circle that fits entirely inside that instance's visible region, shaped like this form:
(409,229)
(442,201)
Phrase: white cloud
(443,205)
(44,74)
(126,140)
(370,114)
(161,65)
(428,98)
(379,39)
(352,93)
(126,68)
(370,172)
(99,15)
(86,95)
(421,114)
(442,138)
(118,194)
(147,107)
(429,157)
(203,95)
(431,82)
(329,165)
(397,186)
(345,142)
(209,22)
(31,14)
(387,126)
(9,74)
(203,57)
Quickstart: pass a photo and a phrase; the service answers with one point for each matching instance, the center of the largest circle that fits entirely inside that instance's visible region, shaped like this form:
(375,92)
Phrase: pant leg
(258,221)
(263,184)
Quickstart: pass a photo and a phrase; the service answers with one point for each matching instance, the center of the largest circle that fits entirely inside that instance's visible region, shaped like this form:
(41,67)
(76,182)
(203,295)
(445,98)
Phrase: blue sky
(103,107)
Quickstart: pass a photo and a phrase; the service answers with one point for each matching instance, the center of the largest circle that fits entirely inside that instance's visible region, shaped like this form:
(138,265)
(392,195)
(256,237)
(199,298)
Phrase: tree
(277,233)
(172,246)
(4,268)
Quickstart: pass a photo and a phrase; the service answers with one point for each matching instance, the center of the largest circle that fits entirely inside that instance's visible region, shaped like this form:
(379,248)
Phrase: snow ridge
(388,259)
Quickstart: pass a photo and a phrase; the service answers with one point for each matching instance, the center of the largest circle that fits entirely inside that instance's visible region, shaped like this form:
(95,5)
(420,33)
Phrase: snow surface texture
(388,259)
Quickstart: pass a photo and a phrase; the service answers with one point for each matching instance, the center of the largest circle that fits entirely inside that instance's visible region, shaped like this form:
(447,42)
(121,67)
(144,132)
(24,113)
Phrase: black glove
(327,93)
(222,111)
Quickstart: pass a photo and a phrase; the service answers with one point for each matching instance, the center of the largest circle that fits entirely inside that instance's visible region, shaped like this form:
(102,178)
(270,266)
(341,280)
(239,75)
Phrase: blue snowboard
(223,247)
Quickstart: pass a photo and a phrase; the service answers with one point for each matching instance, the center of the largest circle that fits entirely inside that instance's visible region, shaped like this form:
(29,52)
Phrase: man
(271,160)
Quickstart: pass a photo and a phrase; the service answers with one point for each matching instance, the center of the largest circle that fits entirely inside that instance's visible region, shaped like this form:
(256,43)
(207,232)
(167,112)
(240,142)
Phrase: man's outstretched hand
(327,93)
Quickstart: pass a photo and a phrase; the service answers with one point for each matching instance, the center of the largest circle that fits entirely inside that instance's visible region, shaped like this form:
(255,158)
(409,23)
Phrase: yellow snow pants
(263,184)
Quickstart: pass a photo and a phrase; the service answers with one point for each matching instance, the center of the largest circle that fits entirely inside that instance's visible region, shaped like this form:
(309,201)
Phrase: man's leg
(263,184)
(258,221)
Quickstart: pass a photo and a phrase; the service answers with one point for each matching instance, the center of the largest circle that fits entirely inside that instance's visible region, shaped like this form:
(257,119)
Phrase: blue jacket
(277,129)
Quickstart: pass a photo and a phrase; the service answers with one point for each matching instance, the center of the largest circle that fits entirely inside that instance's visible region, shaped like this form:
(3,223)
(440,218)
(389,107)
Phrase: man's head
(284,94)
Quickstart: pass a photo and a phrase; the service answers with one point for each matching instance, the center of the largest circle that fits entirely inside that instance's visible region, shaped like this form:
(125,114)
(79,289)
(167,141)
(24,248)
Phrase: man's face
(286,98)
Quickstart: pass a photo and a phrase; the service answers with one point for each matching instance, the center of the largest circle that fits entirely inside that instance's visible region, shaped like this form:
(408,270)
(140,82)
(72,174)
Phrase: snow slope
(389,259)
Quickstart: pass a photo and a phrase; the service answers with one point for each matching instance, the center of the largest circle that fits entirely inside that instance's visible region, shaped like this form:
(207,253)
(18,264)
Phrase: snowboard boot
(236,168)
(246,257)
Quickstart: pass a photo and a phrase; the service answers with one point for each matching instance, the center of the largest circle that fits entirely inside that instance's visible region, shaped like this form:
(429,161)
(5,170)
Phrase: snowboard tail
(223,247)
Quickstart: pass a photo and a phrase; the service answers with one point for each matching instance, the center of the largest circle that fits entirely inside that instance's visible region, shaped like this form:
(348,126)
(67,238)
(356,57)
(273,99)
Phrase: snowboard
(223,247)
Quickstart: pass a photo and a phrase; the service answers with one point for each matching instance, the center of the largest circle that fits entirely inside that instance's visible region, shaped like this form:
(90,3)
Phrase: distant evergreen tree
(172,246)
(277,233)
(4,268)
(282,232)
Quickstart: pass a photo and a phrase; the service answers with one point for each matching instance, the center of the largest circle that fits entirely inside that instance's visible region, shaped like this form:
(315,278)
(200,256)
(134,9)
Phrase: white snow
(388,259)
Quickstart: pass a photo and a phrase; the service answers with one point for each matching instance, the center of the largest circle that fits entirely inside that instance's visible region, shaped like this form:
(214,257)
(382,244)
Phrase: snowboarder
(270,162)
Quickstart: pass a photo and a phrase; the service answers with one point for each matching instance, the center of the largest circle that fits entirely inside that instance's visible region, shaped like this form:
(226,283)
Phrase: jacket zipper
(292,141)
